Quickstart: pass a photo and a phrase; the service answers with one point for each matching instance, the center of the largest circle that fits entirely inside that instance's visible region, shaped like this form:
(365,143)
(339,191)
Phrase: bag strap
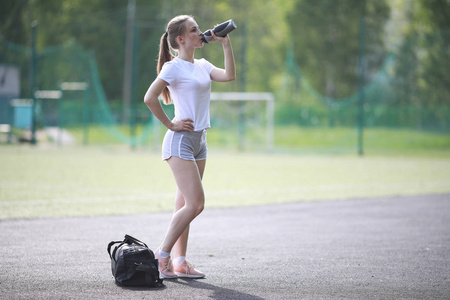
(150,275)
(132,240)
(109,248)
(128,239)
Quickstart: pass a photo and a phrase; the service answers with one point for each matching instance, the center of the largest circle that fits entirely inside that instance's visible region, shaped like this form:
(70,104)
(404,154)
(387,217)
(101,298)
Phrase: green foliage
(326,36)
(435,42)
(97,25)
(257,43)
(15,24)
(405,56)
(100,26)
(421,71)
(307,52)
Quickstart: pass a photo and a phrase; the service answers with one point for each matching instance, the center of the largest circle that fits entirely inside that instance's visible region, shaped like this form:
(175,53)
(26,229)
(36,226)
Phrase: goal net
(247,116)
(241,120)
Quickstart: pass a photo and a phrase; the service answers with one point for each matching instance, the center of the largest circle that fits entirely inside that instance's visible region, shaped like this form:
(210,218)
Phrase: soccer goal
(249,115)
(231,111)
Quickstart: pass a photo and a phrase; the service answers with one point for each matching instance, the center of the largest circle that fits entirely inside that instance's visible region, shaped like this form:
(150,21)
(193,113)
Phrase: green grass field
(313,140)
(47,181)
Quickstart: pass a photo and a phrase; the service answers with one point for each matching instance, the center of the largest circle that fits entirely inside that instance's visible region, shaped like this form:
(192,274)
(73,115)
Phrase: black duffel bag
(134,264)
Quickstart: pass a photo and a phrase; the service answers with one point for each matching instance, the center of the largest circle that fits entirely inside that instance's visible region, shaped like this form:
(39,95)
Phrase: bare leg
(189,183)
(180,247)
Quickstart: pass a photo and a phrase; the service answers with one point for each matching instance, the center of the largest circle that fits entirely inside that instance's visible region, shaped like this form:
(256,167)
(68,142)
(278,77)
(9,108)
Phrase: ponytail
(164,56)
(168,45)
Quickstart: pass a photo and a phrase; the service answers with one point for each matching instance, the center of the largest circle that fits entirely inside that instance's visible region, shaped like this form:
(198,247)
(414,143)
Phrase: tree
(434,18)
(325,35)
(258,42)
(14,24)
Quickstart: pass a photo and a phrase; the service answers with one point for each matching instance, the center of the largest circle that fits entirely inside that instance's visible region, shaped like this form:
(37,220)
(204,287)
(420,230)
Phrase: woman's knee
(194,211)
(197,207)
(200,208)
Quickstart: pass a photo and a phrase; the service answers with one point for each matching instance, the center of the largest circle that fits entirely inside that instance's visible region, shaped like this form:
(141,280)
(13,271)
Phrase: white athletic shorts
(184,144)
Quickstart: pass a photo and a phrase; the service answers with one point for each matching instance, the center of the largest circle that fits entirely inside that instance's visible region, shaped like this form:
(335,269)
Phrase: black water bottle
(220,30)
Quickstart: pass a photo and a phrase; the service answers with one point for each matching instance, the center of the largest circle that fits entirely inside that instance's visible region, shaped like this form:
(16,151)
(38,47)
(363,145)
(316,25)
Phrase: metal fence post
(33,63)
(361,86)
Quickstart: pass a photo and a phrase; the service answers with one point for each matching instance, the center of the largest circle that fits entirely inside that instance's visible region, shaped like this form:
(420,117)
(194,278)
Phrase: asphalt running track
(384,248)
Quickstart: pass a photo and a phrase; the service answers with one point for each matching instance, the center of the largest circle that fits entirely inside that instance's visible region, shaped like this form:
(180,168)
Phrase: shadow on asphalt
(142,288)
(219,292)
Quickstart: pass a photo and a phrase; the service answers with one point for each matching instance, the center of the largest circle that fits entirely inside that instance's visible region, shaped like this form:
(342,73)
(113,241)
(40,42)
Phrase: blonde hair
(168,46)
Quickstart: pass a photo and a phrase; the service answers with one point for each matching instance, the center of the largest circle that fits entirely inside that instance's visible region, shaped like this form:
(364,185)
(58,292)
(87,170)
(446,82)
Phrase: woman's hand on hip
(182,125)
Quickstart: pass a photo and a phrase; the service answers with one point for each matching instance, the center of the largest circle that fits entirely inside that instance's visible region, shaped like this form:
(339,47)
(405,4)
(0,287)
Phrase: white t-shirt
(190,88)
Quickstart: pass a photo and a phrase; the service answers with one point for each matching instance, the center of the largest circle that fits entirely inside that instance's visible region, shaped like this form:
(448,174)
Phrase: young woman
(186,82)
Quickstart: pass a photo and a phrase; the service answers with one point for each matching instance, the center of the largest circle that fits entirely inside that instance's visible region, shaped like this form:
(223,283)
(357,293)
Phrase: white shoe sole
(167,277)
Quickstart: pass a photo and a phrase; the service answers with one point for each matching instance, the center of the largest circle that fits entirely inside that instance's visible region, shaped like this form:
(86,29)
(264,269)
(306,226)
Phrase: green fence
(398,95)
(59,67)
